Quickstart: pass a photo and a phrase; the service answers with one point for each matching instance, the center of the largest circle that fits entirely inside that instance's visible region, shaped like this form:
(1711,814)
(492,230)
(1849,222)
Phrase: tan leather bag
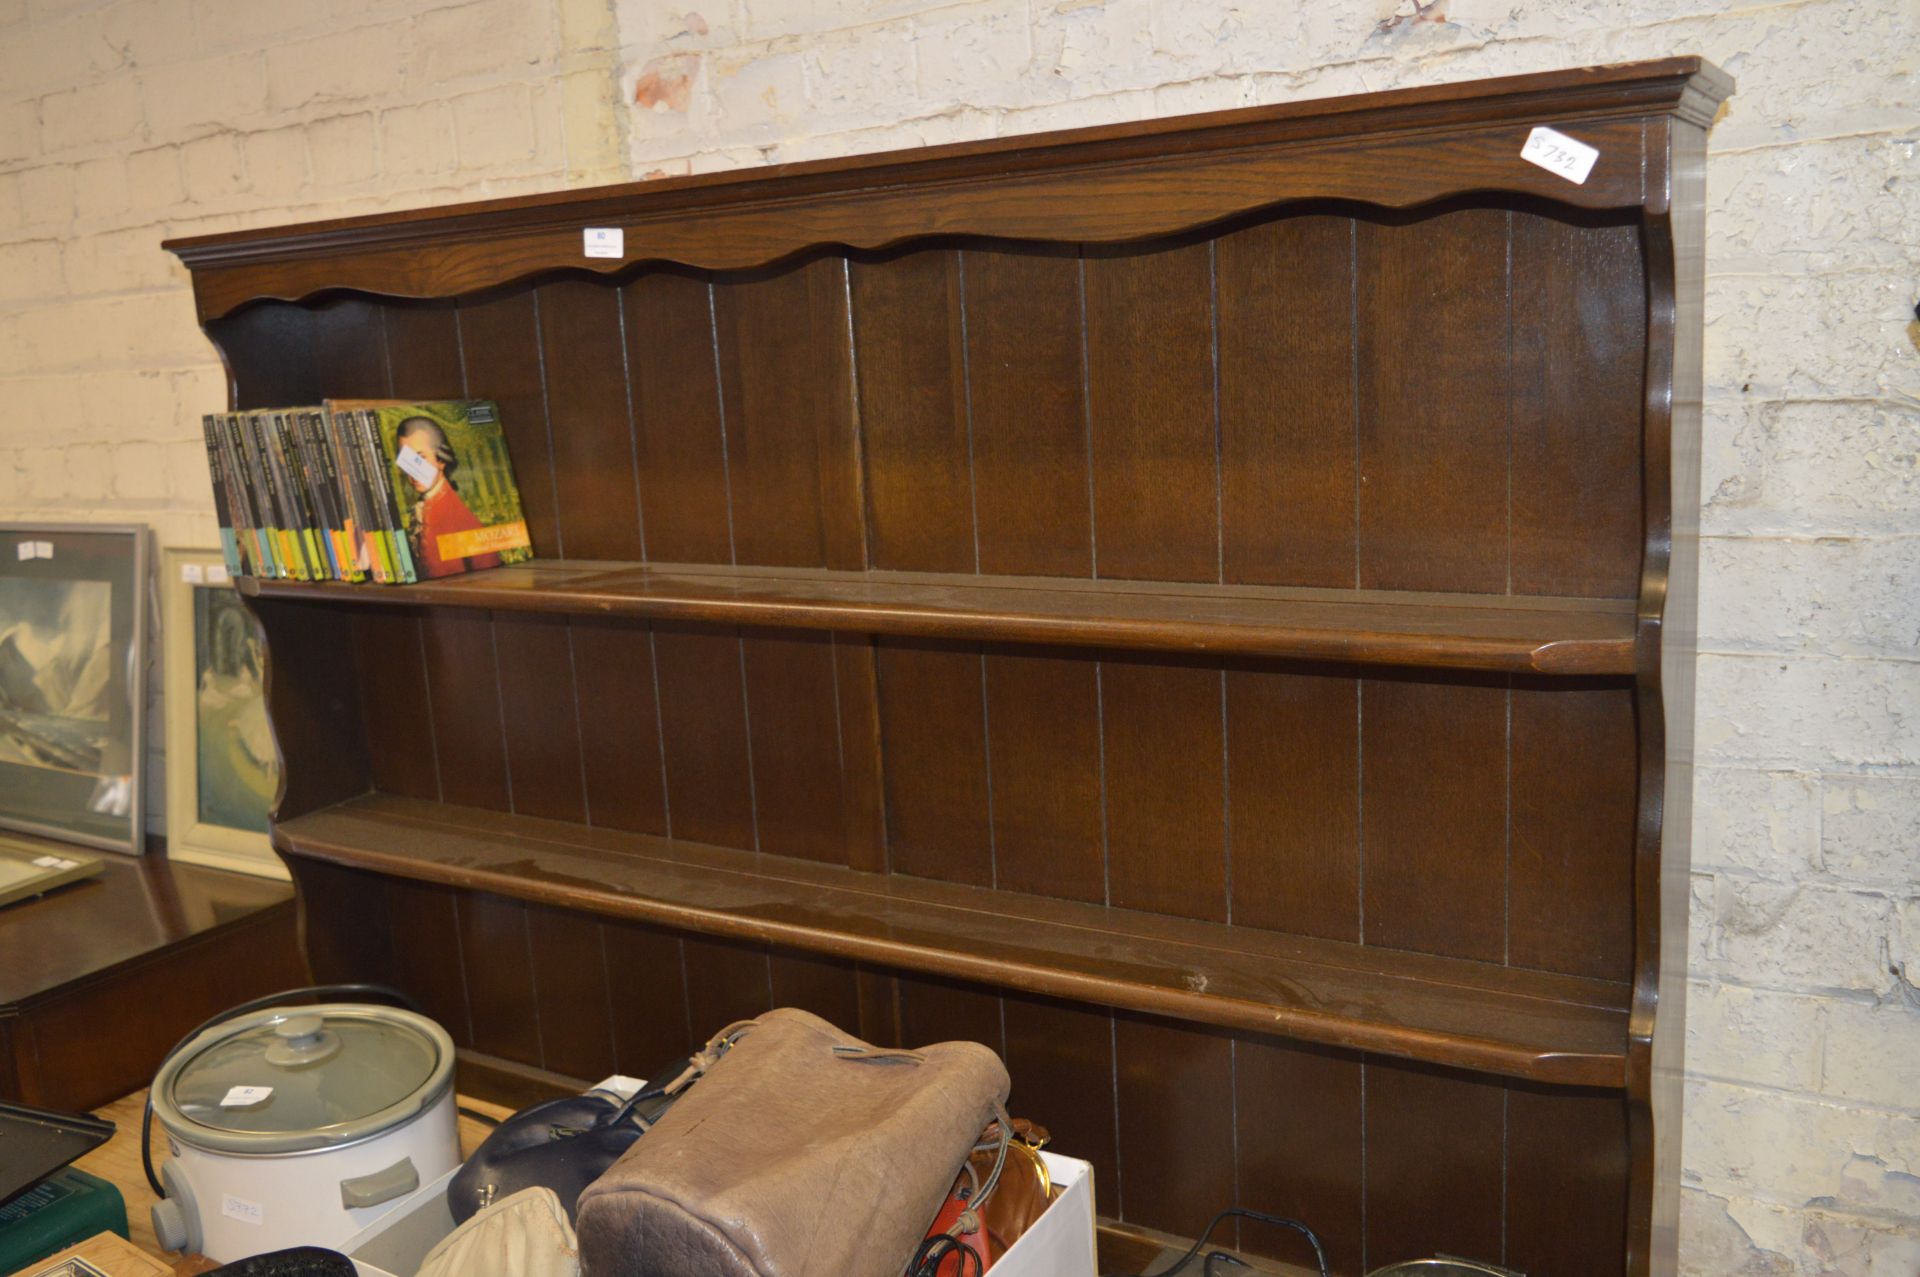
(803,1152)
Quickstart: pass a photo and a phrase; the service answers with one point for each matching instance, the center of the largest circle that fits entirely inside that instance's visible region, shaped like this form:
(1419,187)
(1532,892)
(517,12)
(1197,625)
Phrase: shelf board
(1526,1024)
(1508,633)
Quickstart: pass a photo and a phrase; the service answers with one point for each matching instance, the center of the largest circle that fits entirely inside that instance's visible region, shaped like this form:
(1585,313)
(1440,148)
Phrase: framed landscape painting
(222,766)
(72,682)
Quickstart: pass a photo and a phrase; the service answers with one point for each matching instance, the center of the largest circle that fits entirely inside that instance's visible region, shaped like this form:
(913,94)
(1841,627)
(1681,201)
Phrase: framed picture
(73,682)
(222,767)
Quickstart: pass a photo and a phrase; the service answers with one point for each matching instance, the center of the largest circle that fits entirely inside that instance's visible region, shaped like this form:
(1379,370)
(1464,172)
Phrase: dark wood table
(98,979)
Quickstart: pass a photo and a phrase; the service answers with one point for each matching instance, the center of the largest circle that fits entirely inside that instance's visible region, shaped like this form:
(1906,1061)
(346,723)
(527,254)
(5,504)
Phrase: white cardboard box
(1061,1244)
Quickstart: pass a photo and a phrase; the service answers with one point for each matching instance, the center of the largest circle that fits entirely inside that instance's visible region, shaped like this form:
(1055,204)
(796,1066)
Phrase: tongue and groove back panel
(1456,398)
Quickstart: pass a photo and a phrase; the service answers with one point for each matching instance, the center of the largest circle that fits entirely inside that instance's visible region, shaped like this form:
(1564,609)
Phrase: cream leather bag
(525,1235)
(803,1152)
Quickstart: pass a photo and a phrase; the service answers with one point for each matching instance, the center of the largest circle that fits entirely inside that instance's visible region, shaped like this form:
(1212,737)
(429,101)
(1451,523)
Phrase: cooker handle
(380,1186)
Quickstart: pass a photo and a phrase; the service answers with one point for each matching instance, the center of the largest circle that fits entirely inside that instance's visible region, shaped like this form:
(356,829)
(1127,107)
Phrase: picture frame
(222,765)
(73,694)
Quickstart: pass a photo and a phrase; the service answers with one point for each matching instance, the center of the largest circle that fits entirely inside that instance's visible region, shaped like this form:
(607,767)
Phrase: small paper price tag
(52,862)
(415,465)
(193,573)
(217,574)
(24,550)
(603,241)
(1559,154)
(241,1209)
(242,1096)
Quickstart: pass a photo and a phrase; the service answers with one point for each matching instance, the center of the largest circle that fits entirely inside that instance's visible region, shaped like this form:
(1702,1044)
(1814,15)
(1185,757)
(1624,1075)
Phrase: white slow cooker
(299,1126)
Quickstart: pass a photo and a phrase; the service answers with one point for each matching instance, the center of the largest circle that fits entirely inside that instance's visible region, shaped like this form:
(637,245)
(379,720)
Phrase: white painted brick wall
(123,121)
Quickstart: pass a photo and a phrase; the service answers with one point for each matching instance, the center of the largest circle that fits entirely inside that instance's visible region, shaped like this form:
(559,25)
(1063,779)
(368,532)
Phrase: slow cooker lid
(304,1077)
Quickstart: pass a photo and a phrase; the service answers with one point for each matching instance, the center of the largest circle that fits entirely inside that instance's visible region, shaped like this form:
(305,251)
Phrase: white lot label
(239,1208)
(1559,154)
(603,241)
(52,862)
(415,465)
(192,573)
(217,574)
(241,1096)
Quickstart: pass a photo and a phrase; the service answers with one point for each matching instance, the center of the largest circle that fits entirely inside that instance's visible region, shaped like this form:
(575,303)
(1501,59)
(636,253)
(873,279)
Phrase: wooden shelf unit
(1203,606)
(1373,627)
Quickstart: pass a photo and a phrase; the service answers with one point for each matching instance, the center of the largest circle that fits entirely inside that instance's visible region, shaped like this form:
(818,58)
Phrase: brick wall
(121,122)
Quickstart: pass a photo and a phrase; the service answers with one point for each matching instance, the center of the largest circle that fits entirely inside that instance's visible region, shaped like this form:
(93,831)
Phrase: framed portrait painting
(73,682)
(222,766)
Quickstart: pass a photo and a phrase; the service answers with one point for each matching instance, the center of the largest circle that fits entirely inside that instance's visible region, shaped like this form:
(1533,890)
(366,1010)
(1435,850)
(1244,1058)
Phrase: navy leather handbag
(564,1144)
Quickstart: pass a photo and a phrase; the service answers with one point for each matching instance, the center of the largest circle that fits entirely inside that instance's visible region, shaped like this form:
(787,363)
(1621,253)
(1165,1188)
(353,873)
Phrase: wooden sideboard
(100,978)
(1202,606)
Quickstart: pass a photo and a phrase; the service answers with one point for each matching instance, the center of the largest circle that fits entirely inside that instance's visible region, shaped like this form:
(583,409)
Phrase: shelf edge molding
(1502,634)
(1537,1026)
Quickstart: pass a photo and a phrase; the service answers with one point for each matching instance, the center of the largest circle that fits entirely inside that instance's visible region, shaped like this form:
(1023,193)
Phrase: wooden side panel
(1288,494)
(389,668)
(786,379)
(794,743)
(1435,1182)
(1043,749)
(619,725)
(703,716)
(1166,822)
(1433,375)
(1579,350)
(1027,386)
(1434,793)
(933,733)
(500,338)
(1293,751)
(269,353)
(464,688)
(1571,894)
(1150,383)
(676,410)
(907,328)
(587,411)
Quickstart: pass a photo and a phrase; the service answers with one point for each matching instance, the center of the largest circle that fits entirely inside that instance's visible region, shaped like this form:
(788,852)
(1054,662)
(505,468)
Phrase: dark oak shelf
(1506,633)
(1526,1024)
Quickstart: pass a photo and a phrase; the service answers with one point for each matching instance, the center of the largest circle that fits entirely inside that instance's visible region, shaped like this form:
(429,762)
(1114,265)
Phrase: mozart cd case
(388,491)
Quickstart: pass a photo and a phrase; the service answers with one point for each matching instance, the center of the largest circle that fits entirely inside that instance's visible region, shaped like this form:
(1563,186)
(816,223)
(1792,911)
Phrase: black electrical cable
(386,991)
(1222,1258)
(937,1249)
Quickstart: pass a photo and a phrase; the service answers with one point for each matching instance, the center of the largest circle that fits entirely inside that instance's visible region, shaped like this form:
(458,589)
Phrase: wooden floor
(118,1161)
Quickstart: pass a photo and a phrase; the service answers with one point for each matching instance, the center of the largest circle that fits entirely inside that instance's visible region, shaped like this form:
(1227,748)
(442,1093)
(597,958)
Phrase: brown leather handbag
(803,1152)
